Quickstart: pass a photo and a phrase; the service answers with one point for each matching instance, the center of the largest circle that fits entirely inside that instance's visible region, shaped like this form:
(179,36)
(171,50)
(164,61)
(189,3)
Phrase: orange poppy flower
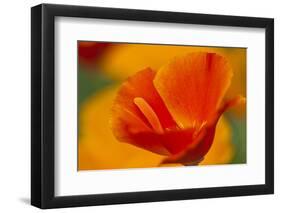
(174,111)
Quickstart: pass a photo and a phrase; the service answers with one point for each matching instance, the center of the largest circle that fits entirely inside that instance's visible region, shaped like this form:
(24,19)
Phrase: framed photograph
(140,106)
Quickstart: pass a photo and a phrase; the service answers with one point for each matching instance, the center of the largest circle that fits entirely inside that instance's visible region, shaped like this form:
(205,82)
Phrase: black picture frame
(43,102)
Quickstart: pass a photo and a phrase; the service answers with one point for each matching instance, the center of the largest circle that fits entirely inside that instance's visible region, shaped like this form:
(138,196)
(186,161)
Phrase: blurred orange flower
(174,111)
(88,52)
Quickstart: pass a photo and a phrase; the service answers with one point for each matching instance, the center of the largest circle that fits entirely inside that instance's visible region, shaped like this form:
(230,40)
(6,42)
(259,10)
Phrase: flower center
(149,114)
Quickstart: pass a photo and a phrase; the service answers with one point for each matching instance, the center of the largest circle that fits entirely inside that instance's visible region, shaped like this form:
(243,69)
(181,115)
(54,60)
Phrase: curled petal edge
(195,153)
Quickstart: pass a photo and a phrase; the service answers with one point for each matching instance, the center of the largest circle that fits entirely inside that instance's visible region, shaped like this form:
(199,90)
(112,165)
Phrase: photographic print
(176,108)
(156,105)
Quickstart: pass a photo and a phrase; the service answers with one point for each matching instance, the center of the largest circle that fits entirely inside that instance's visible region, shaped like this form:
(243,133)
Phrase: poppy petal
(127,127)
(174,141)
(196,151)
(204,140)
(139,108)
(192,87)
